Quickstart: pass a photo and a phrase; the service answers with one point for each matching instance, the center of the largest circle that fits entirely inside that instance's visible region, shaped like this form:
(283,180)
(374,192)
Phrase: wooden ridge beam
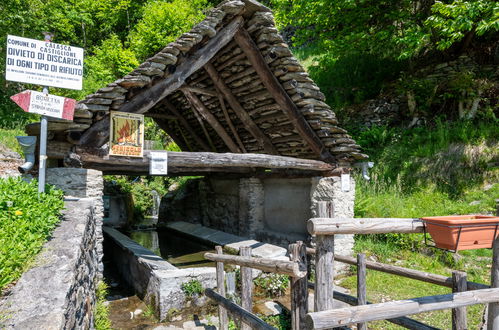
(98,133)
(240,112)
(170,107)
(197,105)
(256,59)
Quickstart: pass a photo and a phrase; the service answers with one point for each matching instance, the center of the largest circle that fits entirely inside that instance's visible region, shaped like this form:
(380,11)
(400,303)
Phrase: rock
(137,312)
(273,307)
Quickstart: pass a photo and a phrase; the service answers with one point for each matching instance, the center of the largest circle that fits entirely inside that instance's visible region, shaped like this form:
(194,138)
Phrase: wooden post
(299,287)
(459,314)
(361,285)
(246,285)
(222,312)
(493,317)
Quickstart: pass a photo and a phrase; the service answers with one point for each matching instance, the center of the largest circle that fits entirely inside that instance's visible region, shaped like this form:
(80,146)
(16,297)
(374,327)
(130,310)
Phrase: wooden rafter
(98,134)
(240,111)
(198,90)
(229,121)
(256,59)
(160,116)
(185,124)
(165,126)
(198,106)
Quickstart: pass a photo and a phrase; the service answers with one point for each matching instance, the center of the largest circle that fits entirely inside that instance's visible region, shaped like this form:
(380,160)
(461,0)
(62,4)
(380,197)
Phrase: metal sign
(45,104)
(44,63)
(159,163)
(126,136)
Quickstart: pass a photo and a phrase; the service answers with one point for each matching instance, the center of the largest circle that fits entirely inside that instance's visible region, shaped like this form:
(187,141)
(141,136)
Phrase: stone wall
(59,291)
(268,210)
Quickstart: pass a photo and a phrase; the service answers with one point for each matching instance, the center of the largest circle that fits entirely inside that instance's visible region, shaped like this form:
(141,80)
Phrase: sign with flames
(127,134)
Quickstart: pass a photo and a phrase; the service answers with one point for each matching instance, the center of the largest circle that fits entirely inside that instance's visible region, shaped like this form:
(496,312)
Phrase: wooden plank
(331,226)
(361,285)
(185,124)
(299,287)
(237,312)
(403,321)
(240,111)
(289,268)
(324,273)
(229,121)
(406,272)
(222,312)
(98,135)
(246,285)
(459,321)
(256,59)
(493,308)
(198,90)
(198,106)
(160,116)
(382,311)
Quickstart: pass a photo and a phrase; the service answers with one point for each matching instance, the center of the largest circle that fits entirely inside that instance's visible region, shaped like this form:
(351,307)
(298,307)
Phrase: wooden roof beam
(98,134)
(181,142)
(198,106)
(256,59)
(229,121)
(241,113)
(171,108)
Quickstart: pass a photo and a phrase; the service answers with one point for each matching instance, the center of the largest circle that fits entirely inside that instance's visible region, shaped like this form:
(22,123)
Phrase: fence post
(459,321)
(493,317)
(299,287)
(324,263)
(361,285)
(222,312)
(246,285)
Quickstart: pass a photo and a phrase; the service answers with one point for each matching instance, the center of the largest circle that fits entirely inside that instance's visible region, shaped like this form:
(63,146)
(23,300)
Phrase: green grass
(26,222)
(101,314)
(383,287)
(8,139)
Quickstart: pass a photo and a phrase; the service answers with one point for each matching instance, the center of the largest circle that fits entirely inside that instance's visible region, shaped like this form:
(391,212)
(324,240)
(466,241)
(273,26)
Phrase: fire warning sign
(127,134)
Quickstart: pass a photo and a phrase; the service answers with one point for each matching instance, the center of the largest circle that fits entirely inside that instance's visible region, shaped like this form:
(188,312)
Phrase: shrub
(26,221)
(192,288)
(274,285)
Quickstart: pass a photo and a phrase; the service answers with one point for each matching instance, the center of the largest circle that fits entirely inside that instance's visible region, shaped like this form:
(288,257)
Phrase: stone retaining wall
(59,291)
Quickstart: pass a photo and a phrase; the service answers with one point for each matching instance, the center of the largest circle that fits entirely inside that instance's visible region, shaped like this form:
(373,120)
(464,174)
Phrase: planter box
(462,232)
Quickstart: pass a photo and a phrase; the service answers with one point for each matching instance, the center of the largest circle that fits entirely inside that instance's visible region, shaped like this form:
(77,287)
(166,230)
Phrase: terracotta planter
(462,232)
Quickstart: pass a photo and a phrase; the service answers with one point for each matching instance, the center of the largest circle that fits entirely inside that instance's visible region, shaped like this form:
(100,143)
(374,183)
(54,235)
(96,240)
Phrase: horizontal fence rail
(406,272)
(290,268)
(351,315)
(403,321)
(331,226)
(238,312)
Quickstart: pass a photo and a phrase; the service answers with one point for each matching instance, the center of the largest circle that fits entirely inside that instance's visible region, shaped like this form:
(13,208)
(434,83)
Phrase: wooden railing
(296,268)
(325,316)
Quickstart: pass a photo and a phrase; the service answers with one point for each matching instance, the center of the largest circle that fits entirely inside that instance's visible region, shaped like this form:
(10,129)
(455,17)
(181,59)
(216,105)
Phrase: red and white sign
(45,104)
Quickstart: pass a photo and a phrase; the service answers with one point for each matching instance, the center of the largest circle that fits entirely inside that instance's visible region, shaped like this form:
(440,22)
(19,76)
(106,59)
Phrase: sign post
(47,64)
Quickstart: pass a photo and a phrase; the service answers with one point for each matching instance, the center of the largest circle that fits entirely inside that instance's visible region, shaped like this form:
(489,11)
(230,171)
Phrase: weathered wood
(186,124)
(198,106)
(406,272)
(459,321)
(282,267)
(146,99)
(246,285)
(361,285)
(382,311)
(240,111)
(237,312)
(179,140)
(299,287)
(493,308)
(256,59)
(324,273)
(198,90)
(403,321)
(331,226)
(222,312)
(58,149)
(160,116)
(229,121)
(231,61)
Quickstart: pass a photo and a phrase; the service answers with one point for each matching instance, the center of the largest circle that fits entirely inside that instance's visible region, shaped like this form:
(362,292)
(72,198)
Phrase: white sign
(44,63)
(345,182)
(46,104)
(159,163)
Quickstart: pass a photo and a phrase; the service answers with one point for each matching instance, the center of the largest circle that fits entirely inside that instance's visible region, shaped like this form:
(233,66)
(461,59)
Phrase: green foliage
(8,138)
(26,221)
(280,321)
(101,315)
(163,22)
(274,285)
(192,288)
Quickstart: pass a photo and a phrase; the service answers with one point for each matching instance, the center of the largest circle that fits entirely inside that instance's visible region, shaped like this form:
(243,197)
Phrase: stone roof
(226,104)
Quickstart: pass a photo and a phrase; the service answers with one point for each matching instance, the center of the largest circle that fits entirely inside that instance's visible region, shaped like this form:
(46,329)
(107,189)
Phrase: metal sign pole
(43,137)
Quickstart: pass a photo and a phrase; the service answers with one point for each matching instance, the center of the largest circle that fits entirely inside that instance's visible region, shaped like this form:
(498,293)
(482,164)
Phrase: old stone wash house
(247,117)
